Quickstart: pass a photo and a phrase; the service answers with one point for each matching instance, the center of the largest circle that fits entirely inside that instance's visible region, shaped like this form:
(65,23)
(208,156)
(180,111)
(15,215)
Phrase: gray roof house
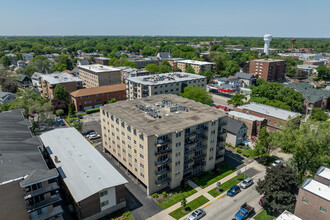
(246,79)
(236,131)
(164,55)
(6,97)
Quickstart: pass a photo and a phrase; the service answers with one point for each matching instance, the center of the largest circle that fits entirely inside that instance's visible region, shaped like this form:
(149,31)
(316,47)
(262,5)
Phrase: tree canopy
(197,94)
(237,99)
(60,93)
(319,115)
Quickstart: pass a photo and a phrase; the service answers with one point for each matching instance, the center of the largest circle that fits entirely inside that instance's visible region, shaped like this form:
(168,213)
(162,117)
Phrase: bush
(60,112)
(155,195)
(90,111)
(239,150)
(164,194)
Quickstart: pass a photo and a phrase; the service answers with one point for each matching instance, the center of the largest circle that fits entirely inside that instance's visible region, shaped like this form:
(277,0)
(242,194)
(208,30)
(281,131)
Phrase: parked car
(94,136)
(58,119)
(62,122)
(87,132)
(244,212)
(72,120)
(247,182)
(277,162)
(261,203)
(90,134)
(233,190)
(197,214)
(80,116)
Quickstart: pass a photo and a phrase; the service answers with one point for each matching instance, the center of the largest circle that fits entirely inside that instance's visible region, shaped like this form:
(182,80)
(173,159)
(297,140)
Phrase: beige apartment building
(197,65)
(97,75)
(166,83)
(163,139)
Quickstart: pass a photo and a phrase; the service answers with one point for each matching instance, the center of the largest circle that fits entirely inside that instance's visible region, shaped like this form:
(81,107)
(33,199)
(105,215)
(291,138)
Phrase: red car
(261,202)
(223,107)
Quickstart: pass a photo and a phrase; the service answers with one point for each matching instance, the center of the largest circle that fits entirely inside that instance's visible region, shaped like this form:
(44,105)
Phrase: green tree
(197,94)
(260,81)
(113,100)
(323,72)
(78,125)
(71,110)
(190,69)
(208,75)
(184,203)
(60,93)
(279,189)
(58,68)
(263,145)
(60,112)
(152,68)
(237,99)
(319,115)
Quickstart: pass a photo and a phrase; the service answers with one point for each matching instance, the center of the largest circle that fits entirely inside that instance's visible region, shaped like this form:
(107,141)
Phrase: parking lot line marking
(207,204)
(219,197)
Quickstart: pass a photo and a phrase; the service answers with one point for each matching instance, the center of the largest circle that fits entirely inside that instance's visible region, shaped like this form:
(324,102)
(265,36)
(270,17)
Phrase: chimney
(56,159)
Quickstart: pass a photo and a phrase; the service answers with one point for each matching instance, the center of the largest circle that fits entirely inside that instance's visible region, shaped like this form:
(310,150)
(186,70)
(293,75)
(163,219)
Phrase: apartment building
(313,200)
(197,65)
(276,117)
(84,99)
(253,123)
(143,62)
(97,75)
(315,62)
(127,72)
(89,56)
(49,82)
(166,83)
(163,139)
(28,188)
(92,184)
(102,60)
(270,70)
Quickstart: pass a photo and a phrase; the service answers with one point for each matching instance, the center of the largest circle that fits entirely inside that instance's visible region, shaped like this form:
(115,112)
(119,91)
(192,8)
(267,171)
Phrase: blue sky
(281,18)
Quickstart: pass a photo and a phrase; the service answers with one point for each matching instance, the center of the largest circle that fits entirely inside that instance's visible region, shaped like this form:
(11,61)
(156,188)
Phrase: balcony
(55,212)
(221,138)
(199,156)
(203,129)
(158,173)
(200,147)
(189,134)
(222,131)
(50,187)
(189,160)
(44,203)
(162,181)
(199,164)
(189,169)
(161,142)
(163,151)
(159,163)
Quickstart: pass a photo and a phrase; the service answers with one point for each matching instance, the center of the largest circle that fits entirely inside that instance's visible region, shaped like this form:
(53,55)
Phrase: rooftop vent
(56,159)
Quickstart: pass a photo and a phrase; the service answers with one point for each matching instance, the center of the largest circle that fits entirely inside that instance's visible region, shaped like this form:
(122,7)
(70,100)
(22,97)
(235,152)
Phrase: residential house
(84,99)
(21,64)
(6,97)
(245,79)
(27,57)
(24,80)
(36,79)
(81,62)
(236,131)
(91,183)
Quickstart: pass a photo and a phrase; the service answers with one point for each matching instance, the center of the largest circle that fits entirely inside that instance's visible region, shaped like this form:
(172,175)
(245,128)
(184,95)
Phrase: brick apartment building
(197,65)
(270,70)
(97,75)
(49,82)
(253,123)
(275,117)
(313,200)
(164,139)
(84,99)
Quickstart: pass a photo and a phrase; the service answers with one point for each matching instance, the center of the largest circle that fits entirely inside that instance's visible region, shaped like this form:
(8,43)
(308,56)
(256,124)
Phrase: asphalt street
(226,207)
(221,100)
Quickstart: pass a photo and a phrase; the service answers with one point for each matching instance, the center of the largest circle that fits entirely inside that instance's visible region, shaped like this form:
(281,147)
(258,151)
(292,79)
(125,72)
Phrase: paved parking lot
(92,122)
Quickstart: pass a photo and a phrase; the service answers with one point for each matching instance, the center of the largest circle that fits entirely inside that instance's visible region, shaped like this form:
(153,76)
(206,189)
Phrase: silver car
(197,214)
(277,162)
(247,182)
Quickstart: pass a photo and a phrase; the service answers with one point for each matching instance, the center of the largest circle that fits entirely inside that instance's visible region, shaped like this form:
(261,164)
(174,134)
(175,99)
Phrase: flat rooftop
(57,78)
(83,169)
(19,153)
(98,68)
(269,110)
(245,116)
(165,78)
(101,58)
(286,215)
(98,90)
(269,60)
(176,113)
(195,62)
(317,188)
(324,172)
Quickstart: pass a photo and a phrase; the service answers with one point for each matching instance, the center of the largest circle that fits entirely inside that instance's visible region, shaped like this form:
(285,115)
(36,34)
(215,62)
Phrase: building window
(104,203)
(123,124)
(212,141)
(305,200)
(178,144)
(129,155)
(141,174)
(177,154)
(104,193)
(128,137)
(129,146)
(129,164)
(141,165)
(177,173)
(211,149)
(212,132)
(122,133)
(177,163)
(141,136)
(178,134)
(323,210)
(129,128)
(210,158)
(141,146)
(141,156)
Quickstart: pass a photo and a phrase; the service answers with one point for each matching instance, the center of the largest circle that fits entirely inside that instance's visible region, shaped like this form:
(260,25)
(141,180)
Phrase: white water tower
(267,39)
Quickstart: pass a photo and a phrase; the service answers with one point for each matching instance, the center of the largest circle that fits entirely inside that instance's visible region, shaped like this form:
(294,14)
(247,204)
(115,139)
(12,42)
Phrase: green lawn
(263,216)
(68,120)
(175,196)
(121,214)
(227,185)
(207,178)
(177,214)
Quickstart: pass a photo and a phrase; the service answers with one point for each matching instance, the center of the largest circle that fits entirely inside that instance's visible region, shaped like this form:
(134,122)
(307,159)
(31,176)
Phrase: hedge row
(90,111)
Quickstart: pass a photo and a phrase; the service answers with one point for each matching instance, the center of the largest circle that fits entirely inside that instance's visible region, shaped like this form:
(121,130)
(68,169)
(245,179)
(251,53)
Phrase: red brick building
(315,62)
(84,99)
(270,70)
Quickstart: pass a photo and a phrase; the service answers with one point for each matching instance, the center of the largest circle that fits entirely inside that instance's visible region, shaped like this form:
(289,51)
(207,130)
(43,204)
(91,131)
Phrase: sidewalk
(165,213)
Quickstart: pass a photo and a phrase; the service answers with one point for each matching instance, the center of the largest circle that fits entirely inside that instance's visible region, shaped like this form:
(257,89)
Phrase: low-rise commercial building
(276,117)
(163,139)
(97,75)
(270,70)
(28,188)
(199,66)
(49,82)
(315,62)
(313,200)
(253,123)
(93,185)
(84,99)
(166,83)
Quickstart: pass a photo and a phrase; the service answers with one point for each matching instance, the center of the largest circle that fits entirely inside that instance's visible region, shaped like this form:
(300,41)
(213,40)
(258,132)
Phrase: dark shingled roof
(309,92)
(234,126)
(242,75)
